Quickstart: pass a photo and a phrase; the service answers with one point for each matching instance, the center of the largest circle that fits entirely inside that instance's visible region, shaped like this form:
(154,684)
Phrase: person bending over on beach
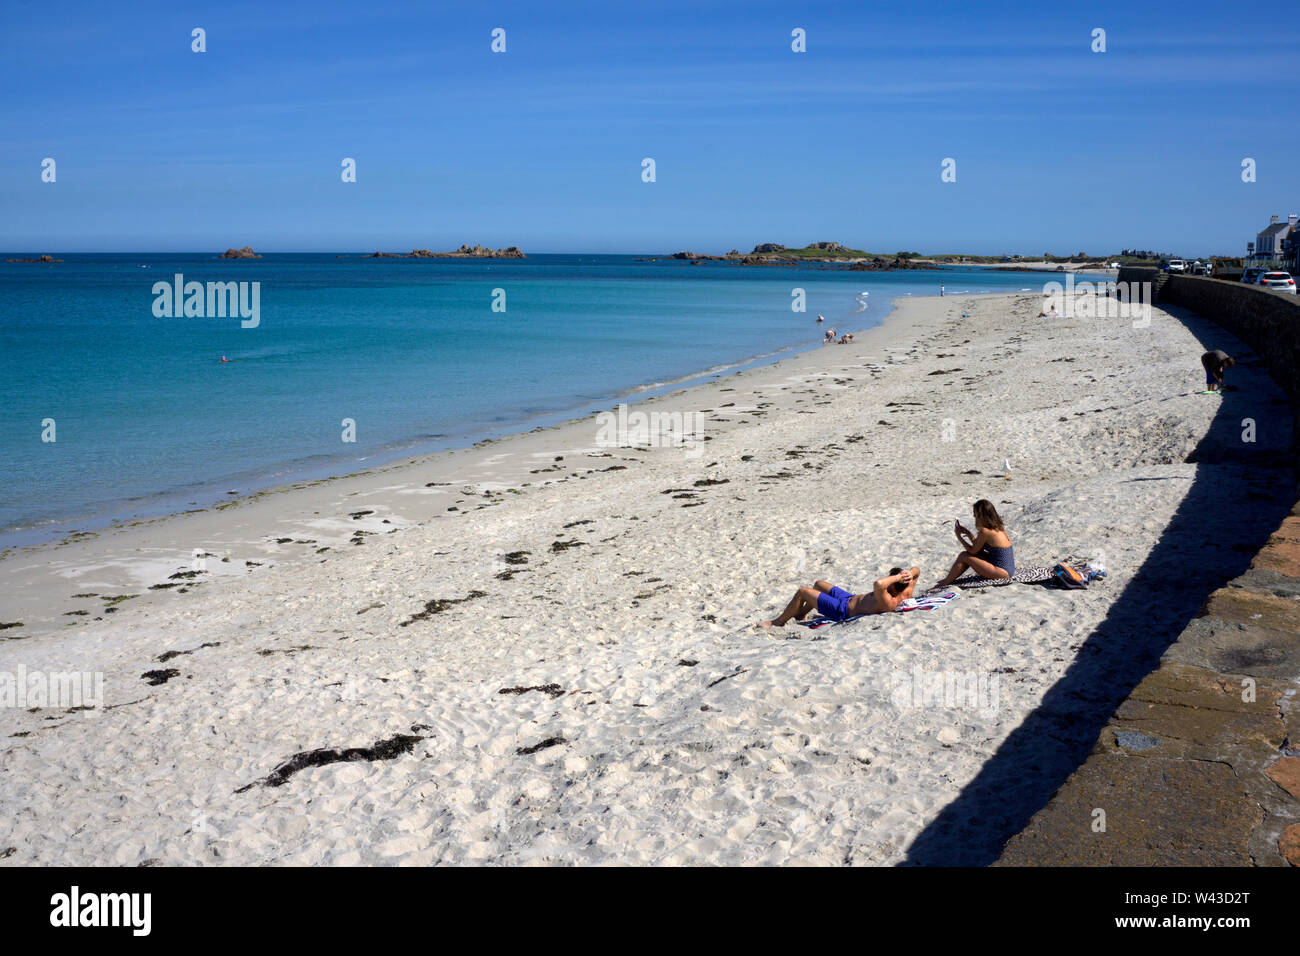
(839,605)
(1215,362)
(829,336)
(988,552)
(846,338)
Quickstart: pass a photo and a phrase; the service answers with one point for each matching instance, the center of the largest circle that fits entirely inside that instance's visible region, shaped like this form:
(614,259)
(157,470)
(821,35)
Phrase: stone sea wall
(1200,765)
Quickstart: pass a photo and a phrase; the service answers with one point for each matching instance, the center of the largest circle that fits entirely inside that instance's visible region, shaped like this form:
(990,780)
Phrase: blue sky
(1058,148)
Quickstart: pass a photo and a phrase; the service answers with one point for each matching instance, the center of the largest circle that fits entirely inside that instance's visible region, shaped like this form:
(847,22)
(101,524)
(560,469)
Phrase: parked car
(1202,269)
(1249,276)
(1176,265)
(1281,281)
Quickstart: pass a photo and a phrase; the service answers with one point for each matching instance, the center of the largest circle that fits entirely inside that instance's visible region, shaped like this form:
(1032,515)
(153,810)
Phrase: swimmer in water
(821,318)
(224,359)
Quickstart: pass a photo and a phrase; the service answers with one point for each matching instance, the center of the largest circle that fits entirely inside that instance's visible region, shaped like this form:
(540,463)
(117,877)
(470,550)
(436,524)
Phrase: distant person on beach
(846,338)
(1215,362)
(829,336)
(988,551)
(839,605)
(1048,315)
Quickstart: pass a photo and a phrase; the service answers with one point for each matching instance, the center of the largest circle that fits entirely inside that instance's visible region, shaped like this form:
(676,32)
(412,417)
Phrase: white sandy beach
(673,731)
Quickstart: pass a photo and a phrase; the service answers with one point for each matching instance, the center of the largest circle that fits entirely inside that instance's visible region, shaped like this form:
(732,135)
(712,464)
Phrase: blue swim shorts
(834,605)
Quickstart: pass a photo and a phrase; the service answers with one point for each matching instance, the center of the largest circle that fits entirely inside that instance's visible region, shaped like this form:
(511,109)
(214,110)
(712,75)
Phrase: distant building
(1270,240)
(1290,251)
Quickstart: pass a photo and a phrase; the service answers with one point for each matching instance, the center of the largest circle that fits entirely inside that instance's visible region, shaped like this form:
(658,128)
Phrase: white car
(1176,265)
(1281,281)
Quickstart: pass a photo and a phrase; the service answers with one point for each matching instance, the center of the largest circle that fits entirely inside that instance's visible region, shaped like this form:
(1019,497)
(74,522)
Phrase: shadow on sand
(1240,495)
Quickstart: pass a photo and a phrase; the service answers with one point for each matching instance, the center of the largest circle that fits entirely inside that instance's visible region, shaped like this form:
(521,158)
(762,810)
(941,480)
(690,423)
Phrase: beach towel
(1029,574)
(928,601)
(1026,574)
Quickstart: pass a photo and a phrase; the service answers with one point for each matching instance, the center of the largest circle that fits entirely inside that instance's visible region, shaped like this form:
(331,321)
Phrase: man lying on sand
(839,605)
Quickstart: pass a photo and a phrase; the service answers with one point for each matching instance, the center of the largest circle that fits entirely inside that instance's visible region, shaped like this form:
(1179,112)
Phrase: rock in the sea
(244,253)
(482,252)
(877,264)
(464,252)
(38,259)
(767,247)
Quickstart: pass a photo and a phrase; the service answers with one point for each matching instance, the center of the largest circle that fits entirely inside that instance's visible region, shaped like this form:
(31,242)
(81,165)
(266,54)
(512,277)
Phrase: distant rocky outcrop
(476,252)
(693,256)
(877,264)
(244,253)
(773,252)
(820,254)
(37,259)
(464,252)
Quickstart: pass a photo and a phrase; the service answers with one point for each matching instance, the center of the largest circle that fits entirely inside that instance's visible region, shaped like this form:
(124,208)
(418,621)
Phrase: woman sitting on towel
(988,552)
(839,605)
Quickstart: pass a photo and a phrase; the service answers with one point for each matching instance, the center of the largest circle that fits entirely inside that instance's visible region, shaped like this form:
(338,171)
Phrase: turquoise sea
(147,419)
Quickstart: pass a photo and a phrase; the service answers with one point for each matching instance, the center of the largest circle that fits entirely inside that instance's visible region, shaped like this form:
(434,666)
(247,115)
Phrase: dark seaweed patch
(389,749)
(154,678)
(555,690)
(168,655)
(438,605)
(548,742)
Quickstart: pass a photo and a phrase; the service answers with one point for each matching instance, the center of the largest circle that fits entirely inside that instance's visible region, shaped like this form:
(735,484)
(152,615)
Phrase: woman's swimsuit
(1003,558)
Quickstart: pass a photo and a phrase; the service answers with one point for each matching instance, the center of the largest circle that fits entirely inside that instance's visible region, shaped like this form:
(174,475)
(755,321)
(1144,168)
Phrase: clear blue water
(148,420)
